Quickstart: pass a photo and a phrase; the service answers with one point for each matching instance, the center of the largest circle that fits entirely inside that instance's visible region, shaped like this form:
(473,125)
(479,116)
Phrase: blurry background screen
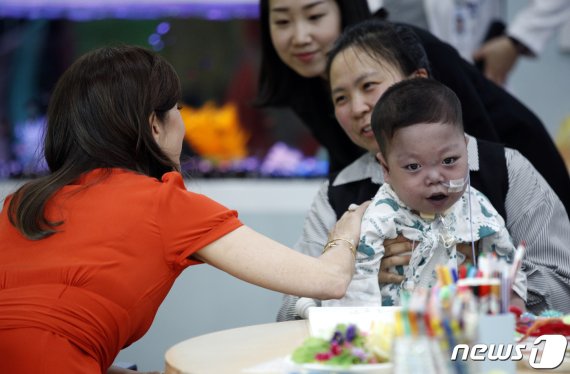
(212,44)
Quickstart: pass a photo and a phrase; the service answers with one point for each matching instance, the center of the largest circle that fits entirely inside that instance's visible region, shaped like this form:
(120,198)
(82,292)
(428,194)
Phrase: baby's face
(421,157)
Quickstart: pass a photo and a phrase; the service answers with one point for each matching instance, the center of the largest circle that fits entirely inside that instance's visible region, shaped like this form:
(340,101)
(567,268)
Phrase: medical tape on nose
(456,185)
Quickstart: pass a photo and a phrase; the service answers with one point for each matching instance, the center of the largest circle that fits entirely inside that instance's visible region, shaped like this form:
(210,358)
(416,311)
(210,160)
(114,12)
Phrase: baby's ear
(384,166)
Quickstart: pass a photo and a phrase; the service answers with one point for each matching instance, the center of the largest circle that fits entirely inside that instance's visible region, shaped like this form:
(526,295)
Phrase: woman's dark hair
(99,117)
(411,102)
(278,82)
(395,44)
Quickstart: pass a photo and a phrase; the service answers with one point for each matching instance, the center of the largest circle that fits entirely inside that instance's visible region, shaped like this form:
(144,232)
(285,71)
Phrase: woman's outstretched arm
(257,259)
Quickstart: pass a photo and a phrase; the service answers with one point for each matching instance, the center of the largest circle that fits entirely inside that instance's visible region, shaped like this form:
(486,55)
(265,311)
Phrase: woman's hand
(396,253)
(499,55)
(348,226)
(467,250)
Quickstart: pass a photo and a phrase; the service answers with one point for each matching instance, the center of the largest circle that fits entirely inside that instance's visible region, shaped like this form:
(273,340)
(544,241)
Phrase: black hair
(410,102)
(393,43)
(99,117)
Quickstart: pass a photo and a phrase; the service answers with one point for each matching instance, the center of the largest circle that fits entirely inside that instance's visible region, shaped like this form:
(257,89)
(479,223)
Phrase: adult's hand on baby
(467,250)
(396,253)
(348,226)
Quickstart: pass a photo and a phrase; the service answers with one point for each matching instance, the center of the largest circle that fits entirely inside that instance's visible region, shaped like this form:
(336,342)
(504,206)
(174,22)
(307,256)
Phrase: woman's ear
(384,165)
(155,126)
(420,73)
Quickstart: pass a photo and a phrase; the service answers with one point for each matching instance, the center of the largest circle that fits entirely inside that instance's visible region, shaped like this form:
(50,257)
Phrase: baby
(426,196)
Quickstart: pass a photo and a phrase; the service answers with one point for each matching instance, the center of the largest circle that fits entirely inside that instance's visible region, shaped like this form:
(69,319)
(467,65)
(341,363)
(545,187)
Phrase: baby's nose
(434,176)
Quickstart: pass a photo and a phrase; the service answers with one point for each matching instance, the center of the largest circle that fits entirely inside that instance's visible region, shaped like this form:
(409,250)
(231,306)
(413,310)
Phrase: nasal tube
(456,185)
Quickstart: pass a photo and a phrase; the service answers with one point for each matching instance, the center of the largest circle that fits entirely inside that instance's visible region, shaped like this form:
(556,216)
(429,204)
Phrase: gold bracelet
(333,243)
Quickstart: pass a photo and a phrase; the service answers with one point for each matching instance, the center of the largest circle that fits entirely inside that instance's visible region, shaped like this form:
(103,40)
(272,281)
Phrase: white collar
(374,5)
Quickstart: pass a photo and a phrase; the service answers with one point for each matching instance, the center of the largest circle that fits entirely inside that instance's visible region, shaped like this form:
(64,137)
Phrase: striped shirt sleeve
(536,215)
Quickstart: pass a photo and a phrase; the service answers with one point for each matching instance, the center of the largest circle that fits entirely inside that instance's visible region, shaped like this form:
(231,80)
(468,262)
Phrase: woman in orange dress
(89,252)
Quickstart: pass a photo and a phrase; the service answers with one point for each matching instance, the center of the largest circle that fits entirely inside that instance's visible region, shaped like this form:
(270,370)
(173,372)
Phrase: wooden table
(232,351)
(240,350)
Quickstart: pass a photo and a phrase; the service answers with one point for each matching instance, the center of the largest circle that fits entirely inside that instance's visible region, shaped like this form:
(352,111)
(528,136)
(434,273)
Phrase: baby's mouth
(437,197)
